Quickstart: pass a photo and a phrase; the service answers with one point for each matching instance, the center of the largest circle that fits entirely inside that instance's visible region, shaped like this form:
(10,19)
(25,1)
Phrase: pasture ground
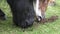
(6,26)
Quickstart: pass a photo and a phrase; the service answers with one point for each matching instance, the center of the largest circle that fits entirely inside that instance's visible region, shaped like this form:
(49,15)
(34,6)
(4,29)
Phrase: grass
(6,26)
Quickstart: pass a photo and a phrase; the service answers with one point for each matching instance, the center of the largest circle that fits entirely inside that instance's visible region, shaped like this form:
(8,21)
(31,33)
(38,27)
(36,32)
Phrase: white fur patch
(37,10)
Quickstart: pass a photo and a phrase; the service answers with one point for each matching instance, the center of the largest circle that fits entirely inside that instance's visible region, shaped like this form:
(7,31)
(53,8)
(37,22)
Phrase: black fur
(2,15)
(23,12)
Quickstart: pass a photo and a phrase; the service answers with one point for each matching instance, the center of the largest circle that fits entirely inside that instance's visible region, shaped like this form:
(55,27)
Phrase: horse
(40,7)
(23,11)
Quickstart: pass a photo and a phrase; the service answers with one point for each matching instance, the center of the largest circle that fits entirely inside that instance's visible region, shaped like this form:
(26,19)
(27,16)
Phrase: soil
(51,19)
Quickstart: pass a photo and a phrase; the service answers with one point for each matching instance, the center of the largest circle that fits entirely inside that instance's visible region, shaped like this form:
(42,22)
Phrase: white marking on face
(37,10)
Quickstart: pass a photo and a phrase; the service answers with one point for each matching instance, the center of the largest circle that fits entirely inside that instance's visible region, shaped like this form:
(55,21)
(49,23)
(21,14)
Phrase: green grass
(6,26)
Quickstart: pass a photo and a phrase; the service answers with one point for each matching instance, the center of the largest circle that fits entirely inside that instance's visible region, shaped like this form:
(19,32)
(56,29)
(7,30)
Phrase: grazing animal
(23,12)
(2,15)
(40,7)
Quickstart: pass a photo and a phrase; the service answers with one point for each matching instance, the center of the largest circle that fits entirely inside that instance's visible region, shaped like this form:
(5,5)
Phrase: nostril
(29,22)
(25,24)
(39,18)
